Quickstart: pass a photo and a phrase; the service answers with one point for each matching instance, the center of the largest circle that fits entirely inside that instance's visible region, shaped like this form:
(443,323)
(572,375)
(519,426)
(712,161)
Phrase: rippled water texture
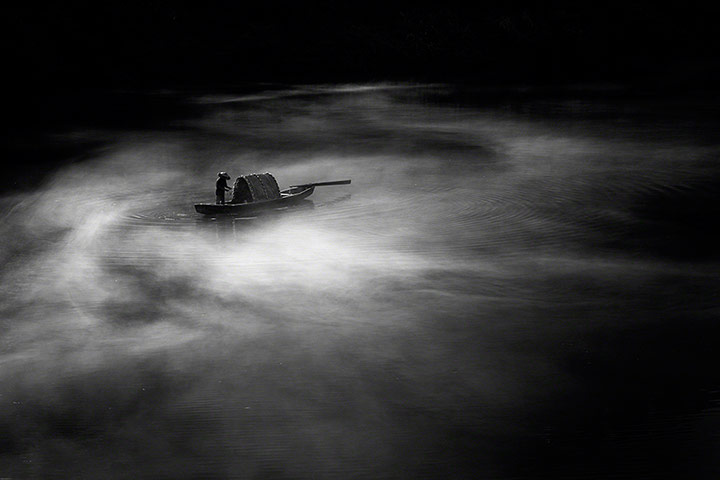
(516,290)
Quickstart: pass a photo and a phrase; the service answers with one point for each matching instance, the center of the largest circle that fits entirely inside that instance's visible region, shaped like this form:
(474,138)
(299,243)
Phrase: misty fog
(496,293)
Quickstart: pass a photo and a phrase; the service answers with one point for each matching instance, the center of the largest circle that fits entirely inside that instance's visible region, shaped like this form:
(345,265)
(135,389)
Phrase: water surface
(512,287)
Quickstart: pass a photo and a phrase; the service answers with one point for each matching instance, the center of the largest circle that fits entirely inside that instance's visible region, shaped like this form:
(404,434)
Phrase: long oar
(322,184)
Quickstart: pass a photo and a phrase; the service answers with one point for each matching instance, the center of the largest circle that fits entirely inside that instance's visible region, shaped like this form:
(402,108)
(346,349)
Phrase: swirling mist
(443,316)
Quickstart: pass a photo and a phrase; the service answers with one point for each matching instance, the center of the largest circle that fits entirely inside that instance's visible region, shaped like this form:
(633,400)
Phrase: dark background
(75,64)
(163,43)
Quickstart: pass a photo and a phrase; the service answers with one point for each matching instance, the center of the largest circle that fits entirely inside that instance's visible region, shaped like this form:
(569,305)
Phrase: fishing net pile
(255,187)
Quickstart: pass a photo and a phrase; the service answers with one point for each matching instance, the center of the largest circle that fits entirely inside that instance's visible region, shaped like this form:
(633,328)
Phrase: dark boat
(287,197)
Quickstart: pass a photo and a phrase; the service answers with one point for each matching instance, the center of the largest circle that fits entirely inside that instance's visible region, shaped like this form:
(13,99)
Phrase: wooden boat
(289,196)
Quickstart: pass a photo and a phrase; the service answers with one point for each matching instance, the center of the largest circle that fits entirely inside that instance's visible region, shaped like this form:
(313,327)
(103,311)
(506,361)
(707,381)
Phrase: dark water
(508,289)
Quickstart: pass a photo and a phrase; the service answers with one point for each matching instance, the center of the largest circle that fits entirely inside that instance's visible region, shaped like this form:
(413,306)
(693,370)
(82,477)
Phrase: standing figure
(221,187)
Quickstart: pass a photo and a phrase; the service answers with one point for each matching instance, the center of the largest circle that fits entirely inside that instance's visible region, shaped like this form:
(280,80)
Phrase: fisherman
(221,187)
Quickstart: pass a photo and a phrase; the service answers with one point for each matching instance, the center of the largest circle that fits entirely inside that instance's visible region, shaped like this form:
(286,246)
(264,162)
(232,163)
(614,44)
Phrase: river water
(511,287)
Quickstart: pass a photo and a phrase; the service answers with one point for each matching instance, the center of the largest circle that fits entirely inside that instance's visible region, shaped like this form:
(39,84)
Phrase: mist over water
(514,290)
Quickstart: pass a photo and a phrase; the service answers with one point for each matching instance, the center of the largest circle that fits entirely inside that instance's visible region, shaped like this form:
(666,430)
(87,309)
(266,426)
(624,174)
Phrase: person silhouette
(221,187)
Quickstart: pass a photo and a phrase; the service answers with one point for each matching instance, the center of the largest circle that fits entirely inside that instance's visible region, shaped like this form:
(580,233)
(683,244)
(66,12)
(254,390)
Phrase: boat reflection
(228,226)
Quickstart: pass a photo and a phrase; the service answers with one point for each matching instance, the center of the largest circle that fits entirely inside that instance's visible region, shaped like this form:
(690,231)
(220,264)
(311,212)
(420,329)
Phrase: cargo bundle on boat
(256,187)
